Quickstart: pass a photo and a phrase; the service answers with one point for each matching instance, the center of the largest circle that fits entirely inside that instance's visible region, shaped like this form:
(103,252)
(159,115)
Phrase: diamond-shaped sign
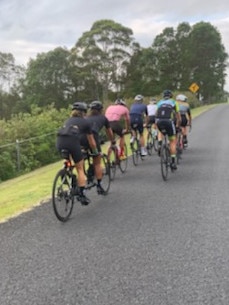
(194,87)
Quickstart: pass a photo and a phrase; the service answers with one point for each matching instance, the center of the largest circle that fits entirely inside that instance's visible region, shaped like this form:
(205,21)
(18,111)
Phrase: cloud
(28,28)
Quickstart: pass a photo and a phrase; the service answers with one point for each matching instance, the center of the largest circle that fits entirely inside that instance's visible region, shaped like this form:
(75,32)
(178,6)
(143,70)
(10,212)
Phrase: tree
(48,80)
(103,54)
(208,60)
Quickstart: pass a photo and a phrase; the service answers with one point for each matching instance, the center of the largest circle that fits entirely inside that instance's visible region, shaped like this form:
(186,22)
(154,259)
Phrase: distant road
(148,242)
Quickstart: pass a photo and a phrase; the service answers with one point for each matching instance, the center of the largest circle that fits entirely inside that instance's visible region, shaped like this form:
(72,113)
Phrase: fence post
(18,154)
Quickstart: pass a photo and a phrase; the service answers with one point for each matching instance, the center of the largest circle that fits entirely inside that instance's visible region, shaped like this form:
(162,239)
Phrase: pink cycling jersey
(116,112)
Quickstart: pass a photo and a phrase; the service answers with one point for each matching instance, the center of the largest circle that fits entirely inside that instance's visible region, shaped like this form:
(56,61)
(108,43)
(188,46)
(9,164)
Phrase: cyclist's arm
(92,143)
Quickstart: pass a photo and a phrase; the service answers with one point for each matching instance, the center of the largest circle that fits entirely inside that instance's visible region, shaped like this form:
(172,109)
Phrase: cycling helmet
(81,106)
(96,105)
(181,97)
(153,100)
(120,101)
(167,94)
(138,98)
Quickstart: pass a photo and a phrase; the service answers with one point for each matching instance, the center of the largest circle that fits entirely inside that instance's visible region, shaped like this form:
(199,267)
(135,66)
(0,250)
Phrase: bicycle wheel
(112,162)
(149,144)
(164,162)
(123,163)
(155,143)
(62,195)
(179,148)
(135,152)
(106,173)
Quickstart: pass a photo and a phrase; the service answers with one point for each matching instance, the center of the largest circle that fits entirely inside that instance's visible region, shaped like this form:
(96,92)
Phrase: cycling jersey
(185,112)
(116,112)
(68,137)
(151,108)
(166,109)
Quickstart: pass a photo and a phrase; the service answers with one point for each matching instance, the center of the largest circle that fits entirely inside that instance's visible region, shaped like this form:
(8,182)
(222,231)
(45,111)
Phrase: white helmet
(138,98)
(181,97)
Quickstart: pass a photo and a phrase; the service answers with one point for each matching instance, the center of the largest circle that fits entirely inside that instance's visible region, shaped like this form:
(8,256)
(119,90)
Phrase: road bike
(179,145)
(165,157)
(115,160)
(65,187)
(152,140)
(135,147)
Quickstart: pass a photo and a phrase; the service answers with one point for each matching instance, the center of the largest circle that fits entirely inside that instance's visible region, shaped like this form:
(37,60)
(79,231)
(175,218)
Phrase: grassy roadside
(25,192)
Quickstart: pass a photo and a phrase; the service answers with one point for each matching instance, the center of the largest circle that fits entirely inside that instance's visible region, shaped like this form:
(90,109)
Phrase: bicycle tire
(135,152)
(155,143)
(164,155)
(106,180)
(179,148)
(112,162)
(62,195)
(149,144)
(123,163)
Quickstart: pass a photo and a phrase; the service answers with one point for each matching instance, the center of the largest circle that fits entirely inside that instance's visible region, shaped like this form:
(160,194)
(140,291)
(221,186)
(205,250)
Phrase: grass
(25,192)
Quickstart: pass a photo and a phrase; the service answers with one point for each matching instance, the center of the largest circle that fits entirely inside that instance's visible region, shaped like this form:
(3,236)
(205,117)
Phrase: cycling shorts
(85,144)
(72,145)
(136,123)
(152,119)
(116,127)
(184,120)
(166,125)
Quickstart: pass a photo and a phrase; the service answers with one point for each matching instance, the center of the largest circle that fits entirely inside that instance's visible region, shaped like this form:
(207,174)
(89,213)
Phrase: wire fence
(28,154)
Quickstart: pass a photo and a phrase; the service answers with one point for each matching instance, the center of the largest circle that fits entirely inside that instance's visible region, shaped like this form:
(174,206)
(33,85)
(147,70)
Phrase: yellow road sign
(194,87)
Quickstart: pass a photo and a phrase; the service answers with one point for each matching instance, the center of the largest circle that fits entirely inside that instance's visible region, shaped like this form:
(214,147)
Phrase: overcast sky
(28,28)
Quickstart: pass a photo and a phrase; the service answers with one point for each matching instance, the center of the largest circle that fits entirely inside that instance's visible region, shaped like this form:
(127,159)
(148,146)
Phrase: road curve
(148,242)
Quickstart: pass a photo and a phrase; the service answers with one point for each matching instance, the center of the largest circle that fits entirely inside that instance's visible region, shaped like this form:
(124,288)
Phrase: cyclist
(139,119)
(97,121)
(68,137)
(152,109)
(186,117)
(115,114)
(168,118)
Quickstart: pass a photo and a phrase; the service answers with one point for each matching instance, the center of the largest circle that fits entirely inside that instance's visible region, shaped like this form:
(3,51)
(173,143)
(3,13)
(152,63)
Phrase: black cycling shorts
(116,127)
(136,123)
(166,125)
(72,144)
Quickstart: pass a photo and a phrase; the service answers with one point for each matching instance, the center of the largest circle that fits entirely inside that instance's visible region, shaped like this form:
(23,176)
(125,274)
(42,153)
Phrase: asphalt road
(148,242)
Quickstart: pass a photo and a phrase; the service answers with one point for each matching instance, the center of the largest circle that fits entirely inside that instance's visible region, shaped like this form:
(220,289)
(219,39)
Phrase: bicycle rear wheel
(135,152)
(123,163)
(164,154)
(62,195)
(112,162)
(106,173)
(155,143)
(149,144)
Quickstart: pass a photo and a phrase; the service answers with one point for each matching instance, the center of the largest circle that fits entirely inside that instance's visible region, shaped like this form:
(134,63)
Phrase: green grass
(25,192)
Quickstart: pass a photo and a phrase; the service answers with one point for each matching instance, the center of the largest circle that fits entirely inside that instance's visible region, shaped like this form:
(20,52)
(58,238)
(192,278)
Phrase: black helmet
(81,106)
(167,93)
(120,101)
(96,105)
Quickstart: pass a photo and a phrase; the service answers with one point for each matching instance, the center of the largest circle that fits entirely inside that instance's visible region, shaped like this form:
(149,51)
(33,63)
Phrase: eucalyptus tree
(48,80)
(10,76)
(103,55)
(208,59)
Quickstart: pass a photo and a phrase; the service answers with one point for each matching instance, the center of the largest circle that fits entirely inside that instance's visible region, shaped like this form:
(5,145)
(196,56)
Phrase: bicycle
(115,161)
(179,145)
(65,188)
(152,140)
(136,148)
(165,157)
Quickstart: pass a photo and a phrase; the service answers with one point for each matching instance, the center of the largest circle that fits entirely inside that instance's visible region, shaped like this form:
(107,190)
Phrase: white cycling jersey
(152,108)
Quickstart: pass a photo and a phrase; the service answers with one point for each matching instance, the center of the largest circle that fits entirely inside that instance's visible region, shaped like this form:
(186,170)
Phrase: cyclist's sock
(99,182)
(82,190)
(173,158)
